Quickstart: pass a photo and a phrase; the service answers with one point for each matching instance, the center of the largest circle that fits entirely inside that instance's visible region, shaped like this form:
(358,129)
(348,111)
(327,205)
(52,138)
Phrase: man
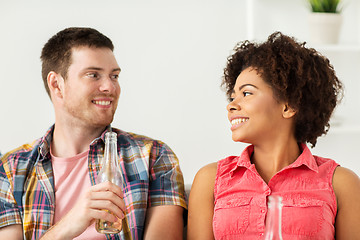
(48,188)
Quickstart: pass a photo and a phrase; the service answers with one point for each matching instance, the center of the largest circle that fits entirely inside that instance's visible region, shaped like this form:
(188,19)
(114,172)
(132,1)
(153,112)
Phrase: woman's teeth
(238,121)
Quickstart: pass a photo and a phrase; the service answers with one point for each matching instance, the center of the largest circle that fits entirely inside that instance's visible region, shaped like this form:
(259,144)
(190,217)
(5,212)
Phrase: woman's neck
(271,158)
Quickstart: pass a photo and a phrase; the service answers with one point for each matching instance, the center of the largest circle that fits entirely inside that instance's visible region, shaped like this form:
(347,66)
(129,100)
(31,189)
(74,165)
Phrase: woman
(282,95)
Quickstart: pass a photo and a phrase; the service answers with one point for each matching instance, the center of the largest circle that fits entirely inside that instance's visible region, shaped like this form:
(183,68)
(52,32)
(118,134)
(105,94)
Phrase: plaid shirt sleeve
(166,185)
(9,212)
(152,177)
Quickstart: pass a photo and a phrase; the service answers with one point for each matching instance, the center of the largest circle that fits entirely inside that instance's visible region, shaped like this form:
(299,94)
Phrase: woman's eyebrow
(247,84)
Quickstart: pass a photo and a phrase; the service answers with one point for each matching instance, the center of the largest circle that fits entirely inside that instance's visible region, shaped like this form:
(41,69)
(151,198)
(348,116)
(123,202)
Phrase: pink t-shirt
(71,176)
(309,202)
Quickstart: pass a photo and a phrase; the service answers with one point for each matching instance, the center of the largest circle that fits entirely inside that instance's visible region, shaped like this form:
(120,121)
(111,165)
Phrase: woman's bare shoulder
(346,186)
(207,172)
(205,178)
(209,168)
(344,175)
(345,180)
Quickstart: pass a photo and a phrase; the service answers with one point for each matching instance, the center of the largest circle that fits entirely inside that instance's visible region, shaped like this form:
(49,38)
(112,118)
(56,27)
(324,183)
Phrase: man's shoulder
(136,139)
(132,143)
(22,153)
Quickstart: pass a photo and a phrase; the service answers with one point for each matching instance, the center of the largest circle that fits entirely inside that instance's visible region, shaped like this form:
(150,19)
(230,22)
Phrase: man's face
(91,90)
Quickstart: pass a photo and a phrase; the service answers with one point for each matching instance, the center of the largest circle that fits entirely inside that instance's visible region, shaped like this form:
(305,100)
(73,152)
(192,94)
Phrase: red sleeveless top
(309,202)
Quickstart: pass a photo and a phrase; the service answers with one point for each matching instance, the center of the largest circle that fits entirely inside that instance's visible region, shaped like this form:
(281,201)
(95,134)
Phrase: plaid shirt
(151,172)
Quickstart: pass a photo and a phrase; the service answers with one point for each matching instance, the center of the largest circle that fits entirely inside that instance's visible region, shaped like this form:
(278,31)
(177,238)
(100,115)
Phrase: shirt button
(261,234)
(262,211)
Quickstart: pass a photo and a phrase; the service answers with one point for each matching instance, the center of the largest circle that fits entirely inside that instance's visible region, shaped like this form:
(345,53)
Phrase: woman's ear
(288,112)
(56,84)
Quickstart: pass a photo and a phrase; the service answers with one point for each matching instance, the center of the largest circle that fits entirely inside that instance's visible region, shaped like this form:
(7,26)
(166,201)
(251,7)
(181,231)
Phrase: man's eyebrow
(93,68)
(100,69)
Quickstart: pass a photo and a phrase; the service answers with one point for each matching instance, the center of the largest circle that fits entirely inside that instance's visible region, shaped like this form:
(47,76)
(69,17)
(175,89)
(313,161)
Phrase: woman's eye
(246,93)
(231,99)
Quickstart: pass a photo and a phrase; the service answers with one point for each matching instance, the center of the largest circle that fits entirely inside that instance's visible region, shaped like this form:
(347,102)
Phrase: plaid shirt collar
(45,142)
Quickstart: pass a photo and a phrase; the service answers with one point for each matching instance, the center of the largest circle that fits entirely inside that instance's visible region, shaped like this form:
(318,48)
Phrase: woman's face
(254,113)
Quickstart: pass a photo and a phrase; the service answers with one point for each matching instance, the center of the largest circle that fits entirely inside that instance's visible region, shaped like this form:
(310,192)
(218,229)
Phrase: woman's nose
(233,106)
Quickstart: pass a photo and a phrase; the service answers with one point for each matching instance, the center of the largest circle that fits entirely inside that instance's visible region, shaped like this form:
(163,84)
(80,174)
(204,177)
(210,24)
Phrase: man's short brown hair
(56,53)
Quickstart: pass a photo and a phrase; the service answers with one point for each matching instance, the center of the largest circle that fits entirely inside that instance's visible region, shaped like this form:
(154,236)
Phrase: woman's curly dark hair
(298,75)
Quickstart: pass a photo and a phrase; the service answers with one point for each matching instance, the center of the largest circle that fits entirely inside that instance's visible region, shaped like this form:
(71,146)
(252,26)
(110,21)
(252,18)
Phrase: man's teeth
(102,102)
(238,120)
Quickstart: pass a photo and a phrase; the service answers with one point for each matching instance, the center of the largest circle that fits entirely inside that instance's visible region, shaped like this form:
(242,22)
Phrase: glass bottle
(110,171)
(273,219)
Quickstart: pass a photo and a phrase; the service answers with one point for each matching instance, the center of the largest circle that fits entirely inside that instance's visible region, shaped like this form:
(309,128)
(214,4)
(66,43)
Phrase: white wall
(172,54)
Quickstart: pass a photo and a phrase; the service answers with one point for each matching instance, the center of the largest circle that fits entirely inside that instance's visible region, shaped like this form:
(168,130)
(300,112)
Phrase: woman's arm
(201,204)
(13,232)
(346,185)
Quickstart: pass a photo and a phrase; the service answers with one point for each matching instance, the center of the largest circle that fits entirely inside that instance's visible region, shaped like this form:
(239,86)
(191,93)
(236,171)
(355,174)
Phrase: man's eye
(115,76)
(231,99)
(92,75)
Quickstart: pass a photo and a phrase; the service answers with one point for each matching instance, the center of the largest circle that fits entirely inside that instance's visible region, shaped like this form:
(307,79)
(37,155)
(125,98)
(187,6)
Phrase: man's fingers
(103,199)
(105,215)
(109,196)
(108,205)
(108,186)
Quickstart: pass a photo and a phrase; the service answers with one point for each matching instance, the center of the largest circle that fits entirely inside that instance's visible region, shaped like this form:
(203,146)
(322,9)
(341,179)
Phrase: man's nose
(108,85)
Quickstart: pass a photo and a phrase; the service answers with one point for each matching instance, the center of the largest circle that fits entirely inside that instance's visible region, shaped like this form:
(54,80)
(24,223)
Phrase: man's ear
(56,84)
(288,112)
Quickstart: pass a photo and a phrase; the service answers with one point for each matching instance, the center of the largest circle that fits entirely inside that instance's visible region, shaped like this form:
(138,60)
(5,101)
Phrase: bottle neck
(110,168)
(110,160)
(273,219)
(110,151)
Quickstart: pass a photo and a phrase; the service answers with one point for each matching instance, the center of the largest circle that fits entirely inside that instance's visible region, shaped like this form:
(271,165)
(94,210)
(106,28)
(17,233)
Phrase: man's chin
(102,124)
